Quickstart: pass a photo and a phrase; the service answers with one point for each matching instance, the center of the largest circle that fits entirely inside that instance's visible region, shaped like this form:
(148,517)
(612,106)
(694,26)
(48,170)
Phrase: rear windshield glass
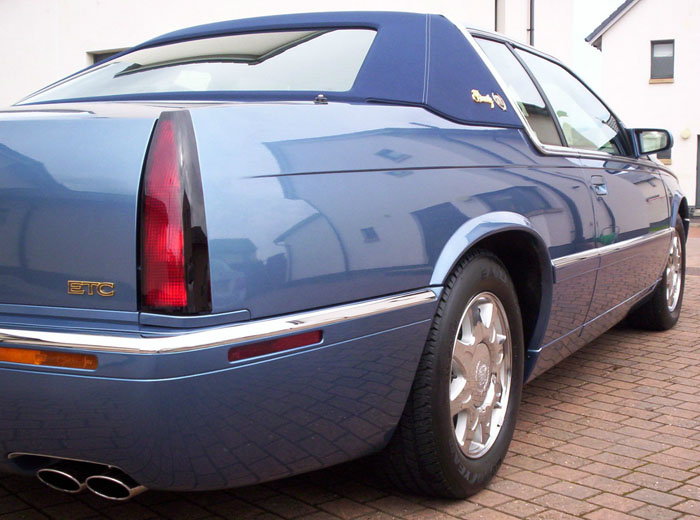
(317,60)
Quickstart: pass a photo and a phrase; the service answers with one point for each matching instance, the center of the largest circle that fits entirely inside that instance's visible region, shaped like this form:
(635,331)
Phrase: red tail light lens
(163,280)
(174,247)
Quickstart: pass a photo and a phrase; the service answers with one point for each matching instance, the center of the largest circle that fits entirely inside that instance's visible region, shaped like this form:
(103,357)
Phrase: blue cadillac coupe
(251,249)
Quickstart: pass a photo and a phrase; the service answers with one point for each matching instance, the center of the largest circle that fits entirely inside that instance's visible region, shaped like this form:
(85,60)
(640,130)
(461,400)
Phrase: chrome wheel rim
(674,272)
(481,375)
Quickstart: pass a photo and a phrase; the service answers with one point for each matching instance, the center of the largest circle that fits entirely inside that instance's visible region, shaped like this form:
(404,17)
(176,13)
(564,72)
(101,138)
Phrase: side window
(586,122)
(521,86)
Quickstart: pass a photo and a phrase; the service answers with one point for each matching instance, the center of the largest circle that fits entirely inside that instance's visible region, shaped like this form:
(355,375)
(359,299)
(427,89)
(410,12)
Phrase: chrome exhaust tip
(67,476)
(114,484)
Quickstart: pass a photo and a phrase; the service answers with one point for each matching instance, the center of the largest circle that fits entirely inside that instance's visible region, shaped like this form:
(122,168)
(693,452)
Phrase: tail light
(174,250)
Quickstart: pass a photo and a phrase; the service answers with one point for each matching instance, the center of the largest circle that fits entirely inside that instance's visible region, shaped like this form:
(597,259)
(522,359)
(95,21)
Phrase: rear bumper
(189,419)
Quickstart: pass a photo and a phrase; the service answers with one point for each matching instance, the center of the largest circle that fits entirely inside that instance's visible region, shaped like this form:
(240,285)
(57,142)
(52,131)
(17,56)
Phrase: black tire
(424,455)
(655,313)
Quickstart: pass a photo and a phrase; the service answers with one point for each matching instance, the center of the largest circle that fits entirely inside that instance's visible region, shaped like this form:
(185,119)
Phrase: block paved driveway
(610,433)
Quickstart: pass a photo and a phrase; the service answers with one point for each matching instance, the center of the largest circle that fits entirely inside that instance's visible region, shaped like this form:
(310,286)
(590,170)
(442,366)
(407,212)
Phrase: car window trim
(546,149)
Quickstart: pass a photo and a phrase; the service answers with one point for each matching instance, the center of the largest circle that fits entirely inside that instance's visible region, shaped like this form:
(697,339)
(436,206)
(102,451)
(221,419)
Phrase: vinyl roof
(415,59)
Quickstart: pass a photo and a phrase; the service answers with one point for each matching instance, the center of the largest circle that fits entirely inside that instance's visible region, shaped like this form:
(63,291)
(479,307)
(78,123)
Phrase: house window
(662,54)
(96,57)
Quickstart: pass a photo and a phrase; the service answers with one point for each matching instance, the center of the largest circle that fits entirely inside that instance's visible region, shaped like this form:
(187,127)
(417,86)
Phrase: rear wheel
(460,416)
(662,310)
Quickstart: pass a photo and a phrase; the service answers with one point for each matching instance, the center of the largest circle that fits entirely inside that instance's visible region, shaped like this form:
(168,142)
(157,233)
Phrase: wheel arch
(513,239)
(680,209)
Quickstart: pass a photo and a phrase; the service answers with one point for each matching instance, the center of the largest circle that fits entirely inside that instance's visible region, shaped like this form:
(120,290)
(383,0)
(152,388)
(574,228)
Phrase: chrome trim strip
(187,341)
(564,261)
(612,248)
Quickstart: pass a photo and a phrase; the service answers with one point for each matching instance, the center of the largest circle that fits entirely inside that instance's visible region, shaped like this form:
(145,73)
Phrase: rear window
(326,60)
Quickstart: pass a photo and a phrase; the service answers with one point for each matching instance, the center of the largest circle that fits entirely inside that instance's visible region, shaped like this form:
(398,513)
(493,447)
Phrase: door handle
(600,187)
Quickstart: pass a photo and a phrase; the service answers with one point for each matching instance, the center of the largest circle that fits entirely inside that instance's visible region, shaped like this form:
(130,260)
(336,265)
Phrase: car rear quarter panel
(313,205)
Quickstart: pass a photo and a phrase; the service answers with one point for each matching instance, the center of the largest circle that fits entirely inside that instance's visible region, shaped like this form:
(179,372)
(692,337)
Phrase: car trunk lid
(69,190)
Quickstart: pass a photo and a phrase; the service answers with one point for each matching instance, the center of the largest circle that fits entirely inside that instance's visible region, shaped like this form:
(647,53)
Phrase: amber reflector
(275,345)
(48,358)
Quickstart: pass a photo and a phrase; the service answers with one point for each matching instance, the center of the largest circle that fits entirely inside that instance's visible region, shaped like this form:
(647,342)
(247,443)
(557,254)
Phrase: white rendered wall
(626,72)
(44,40)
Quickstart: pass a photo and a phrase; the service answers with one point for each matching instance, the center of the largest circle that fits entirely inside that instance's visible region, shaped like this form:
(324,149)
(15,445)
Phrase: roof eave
(611,20)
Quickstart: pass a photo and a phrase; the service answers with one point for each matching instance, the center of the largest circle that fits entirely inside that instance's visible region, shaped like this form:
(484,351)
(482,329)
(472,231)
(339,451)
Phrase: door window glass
(586,122)
(524,91)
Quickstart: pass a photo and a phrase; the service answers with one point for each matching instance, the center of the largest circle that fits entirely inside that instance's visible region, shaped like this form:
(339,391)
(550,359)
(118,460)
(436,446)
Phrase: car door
(571,233)
(632,220)
(630,203)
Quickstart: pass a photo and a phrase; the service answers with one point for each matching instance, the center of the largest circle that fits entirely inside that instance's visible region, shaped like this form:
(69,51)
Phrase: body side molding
(609,249)
(240,332)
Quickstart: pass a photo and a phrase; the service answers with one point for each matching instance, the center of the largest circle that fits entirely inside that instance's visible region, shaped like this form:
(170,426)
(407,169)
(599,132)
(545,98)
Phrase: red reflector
(163,278)
(275,345)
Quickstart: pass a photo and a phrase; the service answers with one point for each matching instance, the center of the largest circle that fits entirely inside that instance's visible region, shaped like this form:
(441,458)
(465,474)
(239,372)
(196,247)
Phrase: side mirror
(648,141)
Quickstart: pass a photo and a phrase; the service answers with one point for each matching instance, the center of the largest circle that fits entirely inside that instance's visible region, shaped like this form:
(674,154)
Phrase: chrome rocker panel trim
(240,332)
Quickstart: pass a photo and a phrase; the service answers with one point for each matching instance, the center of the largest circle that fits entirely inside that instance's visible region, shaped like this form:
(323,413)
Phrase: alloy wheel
(674,272)
(481,374)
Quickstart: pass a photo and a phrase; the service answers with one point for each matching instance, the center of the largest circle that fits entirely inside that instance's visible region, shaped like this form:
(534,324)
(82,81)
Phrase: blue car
(256,248)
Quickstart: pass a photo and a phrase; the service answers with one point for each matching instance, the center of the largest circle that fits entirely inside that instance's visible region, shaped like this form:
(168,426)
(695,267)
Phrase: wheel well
(518,252)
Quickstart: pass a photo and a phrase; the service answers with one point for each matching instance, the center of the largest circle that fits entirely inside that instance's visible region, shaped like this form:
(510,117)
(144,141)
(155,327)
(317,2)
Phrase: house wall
(45,40)
(626,53)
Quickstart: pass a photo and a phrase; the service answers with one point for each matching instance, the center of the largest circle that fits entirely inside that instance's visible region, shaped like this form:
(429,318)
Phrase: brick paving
(613,432)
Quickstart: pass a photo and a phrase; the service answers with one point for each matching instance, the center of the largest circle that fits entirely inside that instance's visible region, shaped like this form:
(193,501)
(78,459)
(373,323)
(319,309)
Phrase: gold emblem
(500,102)
(478,98)
(90,288)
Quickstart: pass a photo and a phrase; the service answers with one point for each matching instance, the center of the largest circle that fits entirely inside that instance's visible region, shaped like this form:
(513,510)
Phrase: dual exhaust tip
(74,477)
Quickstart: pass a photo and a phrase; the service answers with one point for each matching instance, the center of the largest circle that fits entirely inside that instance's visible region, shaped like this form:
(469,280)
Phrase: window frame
(662,79)
(538,87)
(626,145)
(547,149)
